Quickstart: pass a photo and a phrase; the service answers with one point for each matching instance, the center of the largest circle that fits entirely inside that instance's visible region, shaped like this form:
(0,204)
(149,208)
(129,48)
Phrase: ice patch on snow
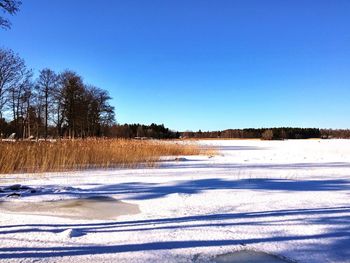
(93,208)
(248,256)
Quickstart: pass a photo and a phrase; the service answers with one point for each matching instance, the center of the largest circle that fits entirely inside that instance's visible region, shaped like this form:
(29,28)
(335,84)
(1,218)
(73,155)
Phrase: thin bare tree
(13,73)
(46,85)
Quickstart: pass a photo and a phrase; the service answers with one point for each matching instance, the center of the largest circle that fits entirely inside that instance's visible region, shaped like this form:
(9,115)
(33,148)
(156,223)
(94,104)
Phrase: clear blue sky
(199,64)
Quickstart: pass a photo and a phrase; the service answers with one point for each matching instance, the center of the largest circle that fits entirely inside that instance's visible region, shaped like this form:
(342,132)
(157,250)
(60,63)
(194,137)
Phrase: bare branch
(10,7)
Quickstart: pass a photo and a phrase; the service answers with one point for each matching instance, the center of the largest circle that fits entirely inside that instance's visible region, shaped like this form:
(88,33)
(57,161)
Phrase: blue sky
(199,64)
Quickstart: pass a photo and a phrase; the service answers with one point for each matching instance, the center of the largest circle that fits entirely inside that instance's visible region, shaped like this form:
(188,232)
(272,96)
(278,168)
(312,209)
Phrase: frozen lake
(284,198)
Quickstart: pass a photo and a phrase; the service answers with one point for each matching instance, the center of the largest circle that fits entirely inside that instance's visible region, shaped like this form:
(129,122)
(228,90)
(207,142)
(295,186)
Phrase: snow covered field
(287,198)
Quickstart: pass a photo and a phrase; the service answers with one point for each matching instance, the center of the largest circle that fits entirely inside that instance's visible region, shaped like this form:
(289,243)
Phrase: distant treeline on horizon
(161,132)
(271,133)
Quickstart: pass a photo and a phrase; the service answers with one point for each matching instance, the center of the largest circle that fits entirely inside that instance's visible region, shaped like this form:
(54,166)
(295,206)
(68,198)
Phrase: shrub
(267,135)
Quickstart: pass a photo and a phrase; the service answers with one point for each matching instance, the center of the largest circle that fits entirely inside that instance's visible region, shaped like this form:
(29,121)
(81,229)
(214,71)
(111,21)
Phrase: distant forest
(142,131)
(271,133)
(160,132)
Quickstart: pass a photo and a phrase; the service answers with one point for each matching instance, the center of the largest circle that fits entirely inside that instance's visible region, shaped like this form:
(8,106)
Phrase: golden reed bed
(44,156)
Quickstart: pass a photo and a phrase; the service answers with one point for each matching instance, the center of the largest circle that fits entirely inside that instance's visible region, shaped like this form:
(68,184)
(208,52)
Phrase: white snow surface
(288,198)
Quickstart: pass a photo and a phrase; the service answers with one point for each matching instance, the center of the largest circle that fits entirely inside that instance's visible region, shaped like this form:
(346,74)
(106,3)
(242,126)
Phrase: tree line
(335,133)
(271,133)
(52,105)
(142,131)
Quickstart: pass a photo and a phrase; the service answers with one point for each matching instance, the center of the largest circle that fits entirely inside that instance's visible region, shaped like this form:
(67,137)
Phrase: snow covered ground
(287,198)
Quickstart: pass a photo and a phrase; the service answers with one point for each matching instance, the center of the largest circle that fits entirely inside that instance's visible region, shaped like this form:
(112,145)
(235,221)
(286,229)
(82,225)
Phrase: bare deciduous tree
(17,96)
(46,85)
(73,102)
(13,74)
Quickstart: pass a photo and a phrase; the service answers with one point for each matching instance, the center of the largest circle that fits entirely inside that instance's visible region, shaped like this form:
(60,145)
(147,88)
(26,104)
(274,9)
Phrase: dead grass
(66,155)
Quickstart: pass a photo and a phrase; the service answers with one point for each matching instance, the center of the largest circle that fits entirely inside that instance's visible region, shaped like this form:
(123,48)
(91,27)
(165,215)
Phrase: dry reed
(44,156)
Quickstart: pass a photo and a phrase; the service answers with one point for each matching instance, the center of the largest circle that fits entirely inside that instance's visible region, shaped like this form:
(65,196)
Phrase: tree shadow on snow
(140,191)
(336,221)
